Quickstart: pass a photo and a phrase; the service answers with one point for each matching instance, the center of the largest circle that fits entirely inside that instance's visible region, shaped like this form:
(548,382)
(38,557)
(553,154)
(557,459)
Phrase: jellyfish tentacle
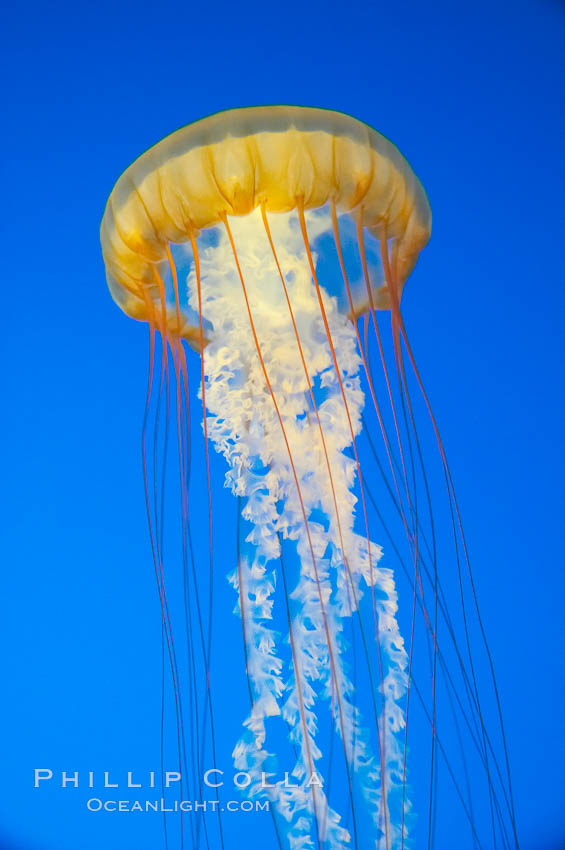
(296,481)
(153,523)
(255,585)
(321,431)
(382,742)
(312,652)
(281,495)
(207,456)
(376,406)
(208,705)
(483,744)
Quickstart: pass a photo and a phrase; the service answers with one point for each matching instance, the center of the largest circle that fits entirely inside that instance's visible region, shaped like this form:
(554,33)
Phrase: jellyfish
(273,244)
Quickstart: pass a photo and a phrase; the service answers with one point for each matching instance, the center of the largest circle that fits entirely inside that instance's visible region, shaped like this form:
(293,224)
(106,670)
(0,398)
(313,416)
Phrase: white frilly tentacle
(243,425)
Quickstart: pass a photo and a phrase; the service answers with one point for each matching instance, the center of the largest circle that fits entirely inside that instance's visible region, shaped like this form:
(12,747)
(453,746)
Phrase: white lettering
(287,783)
(171,776)
(107,783)
(212,784)
(47,774)
(264,780)
(246,780)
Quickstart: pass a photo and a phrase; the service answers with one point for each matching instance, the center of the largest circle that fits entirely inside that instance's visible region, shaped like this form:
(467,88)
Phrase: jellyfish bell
(276,158)
(259,236)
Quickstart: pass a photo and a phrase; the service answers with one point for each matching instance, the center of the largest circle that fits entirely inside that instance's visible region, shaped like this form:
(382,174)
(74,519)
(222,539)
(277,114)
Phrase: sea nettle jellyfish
(275,242)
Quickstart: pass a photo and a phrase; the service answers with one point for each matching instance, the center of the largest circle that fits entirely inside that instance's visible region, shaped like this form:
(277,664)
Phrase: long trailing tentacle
(397,319)
(350,584)
(316,627)
(297,402)
(181,372)
(160,321)
(300,498)
(473,720)
(385,724)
